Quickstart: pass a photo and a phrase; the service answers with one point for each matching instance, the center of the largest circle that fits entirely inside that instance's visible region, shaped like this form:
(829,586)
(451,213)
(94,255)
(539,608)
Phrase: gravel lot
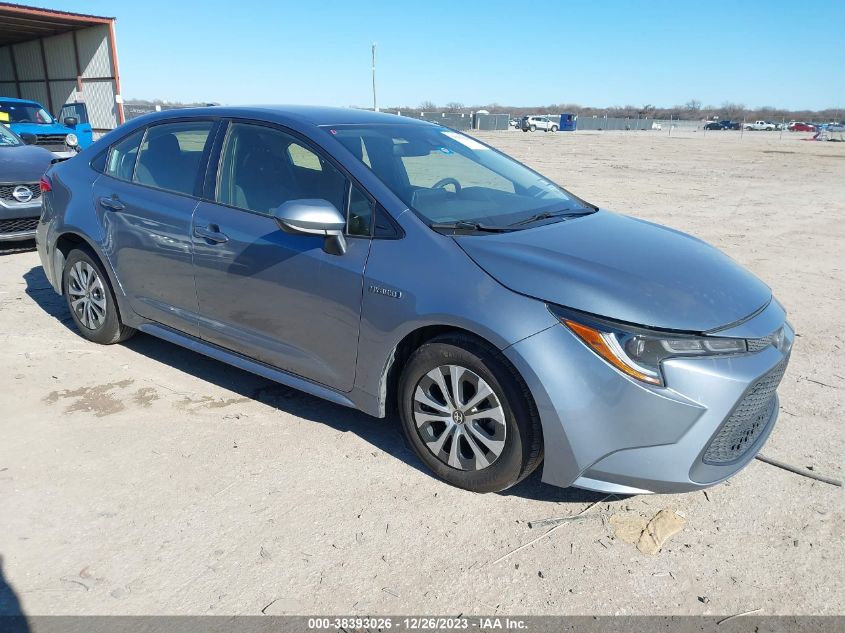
(146,479)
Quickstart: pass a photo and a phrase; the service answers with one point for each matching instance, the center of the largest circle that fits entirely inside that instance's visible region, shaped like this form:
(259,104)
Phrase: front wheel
(533,128)
(468,415)
(554,128)
(91,301)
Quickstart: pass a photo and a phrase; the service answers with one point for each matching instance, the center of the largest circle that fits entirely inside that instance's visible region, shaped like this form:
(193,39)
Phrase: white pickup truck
(766,126)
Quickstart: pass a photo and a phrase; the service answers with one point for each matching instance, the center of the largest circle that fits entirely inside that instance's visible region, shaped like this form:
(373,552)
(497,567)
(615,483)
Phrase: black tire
(554,128)
(533,128)
(106,329)
(523,441)
(525,129)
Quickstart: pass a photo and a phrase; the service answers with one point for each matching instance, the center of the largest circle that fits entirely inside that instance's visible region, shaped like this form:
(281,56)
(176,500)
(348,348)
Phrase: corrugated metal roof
(20,23)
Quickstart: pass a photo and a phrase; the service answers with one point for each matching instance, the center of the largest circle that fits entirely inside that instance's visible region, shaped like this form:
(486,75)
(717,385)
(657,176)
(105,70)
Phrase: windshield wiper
(547,215)
(465,225)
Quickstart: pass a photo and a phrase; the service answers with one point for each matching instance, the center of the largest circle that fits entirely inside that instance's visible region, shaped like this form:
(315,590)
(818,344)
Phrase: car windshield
(26,113)
(7,139)
(447,177)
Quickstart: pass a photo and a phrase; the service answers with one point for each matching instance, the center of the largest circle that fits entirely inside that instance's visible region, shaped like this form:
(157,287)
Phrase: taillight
(46,185)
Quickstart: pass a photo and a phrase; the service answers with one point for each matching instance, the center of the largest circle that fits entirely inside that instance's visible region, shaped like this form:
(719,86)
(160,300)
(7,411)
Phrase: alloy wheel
(87,295)
(459,417)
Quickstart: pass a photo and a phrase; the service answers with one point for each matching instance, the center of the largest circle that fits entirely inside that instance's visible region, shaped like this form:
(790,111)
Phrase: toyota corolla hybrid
(390,264)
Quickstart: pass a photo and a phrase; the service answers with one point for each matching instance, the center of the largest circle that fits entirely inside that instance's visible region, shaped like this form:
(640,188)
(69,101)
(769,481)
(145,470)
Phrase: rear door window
(171,155)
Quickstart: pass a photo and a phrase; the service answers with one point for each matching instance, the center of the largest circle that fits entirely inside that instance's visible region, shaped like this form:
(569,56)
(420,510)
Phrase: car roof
(308,115)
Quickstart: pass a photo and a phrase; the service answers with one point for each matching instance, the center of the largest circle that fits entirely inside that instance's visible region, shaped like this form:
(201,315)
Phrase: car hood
(24,163)
(622,268)
(39,128)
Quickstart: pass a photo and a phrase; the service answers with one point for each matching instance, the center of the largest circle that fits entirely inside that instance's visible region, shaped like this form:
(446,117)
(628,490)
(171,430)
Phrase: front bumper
(18,221)
(607,432)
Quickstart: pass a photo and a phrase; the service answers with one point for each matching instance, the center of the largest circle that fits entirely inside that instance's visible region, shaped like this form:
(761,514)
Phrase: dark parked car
(388,264)
(723,125)
(21,169)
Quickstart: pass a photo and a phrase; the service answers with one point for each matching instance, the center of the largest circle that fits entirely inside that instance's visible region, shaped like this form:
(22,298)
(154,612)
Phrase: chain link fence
(134,110)
(468,121)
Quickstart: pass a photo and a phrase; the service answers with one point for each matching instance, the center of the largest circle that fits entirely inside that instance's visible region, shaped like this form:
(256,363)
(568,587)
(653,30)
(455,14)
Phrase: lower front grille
(19,225)
(748,420)
(53,142)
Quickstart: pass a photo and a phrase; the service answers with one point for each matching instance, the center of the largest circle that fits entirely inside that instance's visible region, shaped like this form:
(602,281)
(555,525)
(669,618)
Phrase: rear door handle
(112,204)
(211,233)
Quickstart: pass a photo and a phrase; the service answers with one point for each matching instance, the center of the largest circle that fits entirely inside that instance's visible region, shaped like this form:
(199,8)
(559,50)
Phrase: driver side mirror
(71,121)
(28,138)
(314,217)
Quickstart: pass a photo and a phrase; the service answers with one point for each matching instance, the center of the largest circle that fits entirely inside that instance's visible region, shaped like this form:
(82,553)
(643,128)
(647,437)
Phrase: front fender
(426,280)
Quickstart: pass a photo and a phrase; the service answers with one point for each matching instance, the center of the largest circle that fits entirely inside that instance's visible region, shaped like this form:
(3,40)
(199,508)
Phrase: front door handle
(112,204)
(211,233)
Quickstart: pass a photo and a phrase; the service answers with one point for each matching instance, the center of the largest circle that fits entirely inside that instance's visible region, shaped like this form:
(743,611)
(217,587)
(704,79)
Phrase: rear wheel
(468,415)
(91,301)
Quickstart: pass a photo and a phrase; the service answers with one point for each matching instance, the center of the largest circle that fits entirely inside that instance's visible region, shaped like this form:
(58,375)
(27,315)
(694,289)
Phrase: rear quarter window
(303,157)
(122,155)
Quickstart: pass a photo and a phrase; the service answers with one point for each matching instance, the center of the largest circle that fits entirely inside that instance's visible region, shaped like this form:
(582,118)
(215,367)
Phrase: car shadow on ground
(12,617)
(40,290)
(384,434)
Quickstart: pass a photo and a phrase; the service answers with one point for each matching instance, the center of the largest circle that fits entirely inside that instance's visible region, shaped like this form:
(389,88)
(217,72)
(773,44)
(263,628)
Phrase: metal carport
(57,57)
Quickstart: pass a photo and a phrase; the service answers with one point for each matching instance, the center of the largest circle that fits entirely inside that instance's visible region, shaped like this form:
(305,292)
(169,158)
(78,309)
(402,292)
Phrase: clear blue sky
(781,54)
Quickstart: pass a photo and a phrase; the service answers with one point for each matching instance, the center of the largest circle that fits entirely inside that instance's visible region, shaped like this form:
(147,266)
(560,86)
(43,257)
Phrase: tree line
(692,110)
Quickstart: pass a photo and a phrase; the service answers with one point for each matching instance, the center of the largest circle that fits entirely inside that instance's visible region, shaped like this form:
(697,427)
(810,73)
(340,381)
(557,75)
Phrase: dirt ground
(146,479)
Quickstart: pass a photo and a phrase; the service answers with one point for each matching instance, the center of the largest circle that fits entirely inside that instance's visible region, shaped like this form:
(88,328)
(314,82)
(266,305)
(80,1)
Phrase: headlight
(71,140)
(639,352)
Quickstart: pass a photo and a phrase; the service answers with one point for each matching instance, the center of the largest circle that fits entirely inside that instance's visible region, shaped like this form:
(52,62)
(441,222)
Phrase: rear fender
(59,257)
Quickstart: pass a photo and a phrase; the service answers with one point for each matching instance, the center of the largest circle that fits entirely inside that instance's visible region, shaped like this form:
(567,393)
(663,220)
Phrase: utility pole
(375,105)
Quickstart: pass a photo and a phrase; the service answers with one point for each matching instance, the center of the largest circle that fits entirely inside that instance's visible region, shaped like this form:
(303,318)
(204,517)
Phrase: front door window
(262,168)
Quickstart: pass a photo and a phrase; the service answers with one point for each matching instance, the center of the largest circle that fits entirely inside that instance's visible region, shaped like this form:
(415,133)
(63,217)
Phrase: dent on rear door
(149,247)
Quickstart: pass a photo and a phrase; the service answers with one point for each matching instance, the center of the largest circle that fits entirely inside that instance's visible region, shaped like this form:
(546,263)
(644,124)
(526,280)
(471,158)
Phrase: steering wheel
(443,182)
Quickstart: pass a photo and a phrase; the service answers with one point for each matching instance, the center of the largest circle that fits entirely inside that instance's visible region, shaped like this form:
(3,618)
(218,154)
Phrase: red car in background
(798,126)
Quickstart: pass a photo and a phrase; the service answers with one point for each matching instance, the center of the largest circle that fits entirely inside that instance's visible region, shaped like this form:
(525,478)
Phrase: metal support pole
(375,104)
(50,108)
(19,95)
